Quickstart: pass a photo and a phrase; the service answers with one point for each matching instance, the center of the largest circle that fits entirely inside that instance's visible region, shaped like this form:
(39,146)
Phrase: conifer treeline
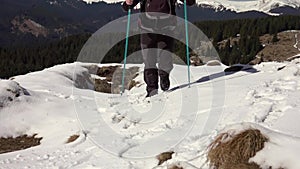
(248,31)
(23,59)
(20,60)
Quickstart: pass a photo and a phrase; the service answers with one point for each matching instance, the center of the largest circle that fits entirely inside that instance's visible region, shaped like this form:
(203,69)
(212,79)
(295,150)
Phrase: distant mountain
(52,19)
(286,10)
(265,6)
(33,21)
(202,13)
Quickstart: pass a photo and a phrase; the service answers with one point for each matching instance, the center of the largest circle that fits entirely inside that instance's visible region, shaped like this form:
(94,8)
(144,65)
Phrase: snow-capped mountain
(237,5)
(58,17)
(249,5)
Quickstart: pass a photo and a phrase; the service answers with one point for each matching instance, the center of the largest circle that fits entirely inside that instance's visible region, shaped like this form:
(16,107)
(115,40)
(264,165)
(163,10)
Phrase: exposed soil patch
(282,50)
(107,72)
(164,157)
(103,86)
(72,138)
(175,167)
(287,46)
(26,25)
(18,143)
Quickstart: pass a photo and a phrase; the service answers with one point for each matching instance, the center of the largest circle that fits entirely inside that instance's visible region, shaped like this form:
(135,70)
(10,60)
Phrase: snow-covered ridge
(235,5)
(250,5)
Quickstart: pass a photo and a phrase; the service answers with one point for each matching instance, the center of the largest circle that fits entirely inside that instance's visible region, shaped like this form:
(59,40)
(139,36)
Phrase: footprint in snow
(269,100)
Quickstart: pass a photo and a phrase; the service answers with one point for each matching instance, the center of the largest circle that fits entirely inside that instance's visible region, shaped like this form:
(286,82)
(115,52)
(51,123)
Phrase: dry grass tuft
(234,152)
(11,144)
(113,79)
(164,157)
(107,71)
(132,84)
(72,138)
(175,167)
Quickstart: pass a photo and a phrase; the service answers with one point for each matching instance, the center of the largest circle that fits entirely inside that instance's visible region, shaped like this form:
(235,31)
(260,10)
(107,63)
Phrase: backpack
(163,6)
(152,16)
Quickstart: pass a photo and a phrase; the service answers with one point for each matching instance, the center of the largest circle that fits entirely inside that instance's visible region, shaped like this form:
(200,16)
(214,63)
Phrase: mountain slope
(59,102)
(32,21)
(58,18)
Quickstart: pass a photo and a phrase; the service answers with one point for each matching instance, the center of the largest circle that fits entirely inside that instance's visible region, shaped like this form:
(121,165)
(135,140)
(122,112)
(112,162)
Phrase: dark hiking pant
(156,48)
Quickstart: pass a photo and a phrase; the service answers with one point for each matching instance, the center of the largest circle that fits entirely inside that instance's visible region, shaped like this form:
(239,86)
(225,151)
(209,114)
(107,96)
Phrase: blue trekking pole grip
(187,42)
(126,50)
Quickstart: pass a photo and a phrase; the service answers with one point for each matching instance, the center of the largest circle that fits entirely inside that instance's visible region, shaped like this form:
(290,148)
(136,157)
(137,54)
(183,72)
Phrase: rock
(10,91)
(107,71)
(213,63)
(112,81)
(164,157)
(102,86)
(196,61)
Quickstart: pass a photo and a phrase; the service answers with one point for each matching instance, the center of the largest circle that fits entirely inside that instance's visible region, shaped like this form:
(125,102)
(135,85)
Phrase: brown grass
(281,50)
(278,51)
(72,138)
(113,79)
(102,86)
(107,71)
(164,157)
(175,167)
(234,152)
(132,84)
(11,144)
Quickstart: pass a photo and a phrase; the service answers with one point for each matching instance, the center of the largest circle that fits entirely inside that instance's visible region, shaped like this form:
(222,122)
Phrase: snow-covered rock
(10,91)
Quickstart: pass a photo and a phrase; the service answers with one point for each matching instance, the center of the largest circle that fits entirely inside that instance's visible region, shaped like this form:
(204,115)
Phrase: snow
(297,41)
(236,5)
(128,131)
(249,5)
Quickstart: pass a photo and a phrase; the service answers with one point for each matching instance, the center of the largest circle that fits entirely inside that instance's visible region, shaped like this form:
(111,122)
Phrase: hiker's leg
(165,63)
(149,52)
(165,60)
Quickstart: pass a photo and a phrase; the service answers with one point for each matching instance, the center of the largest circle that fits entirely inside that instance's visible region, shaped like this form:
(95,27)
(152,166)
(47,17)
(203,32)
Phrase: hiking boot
(151,79)
(152,93)
(164,80)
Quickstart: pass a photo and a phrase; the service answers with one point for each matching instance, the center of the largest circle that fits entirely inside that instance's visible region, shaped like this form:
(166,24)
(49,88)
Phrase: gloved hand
(188,2)
(129,2)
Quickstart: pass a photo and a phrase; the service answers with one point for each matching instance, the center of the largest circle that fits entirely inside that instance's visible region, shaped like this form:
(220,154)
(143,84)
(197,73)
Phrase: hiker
(156,47)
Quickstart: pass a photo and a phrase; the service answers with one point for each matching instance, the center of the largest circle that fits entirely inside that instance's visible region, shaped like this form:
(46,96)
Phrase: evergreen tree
(275,38)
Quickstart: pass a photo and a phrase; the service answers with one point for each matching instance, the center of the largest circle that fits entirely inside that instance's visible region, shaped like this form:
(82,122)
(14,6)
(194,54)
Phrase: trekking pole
(125,52)
(187,42)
